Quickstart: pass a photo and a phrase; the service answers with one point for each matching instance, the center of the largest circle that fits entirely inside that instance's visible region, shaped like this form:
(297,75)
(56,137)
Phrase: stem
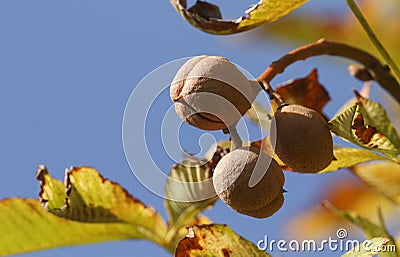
(372,36)
(271,93)
(235,138)
(324,47)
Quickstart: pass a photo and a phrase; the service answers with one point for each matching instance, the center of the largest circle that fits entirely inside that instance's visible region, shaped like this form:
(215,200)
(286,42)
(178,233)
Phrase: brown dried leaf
(305,91)
(206,10)
(364,133)
(216,240)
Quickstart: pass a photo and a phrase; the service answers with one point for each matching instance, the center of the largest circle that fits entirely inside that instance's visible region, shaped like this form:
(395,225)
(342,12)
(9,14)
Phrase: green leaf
(188,191)
(52,191)
(347,157)
(207,17)
(91,198)
(217,241)
(259,115)
(383,176)
(354,127)
(88,209)
(375,115)
(26,226)
(368,248)
(370,229)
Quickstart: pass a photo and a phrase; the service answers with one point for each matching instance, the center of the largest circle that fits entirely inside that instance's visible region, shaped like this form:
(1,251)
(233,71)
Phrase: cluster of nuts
(210,93)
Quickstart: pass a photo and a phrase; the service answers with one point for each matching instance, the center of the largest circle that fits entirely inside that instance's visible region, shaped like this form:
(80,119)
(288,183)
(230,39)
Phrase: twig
(235,138)
(374,39)
(271,93)
(380,72)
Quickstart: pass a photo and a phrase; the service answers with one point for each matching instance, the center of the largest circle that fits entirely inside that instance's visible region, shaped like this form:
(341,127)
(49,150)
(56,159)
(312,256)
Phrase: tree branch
(381,73)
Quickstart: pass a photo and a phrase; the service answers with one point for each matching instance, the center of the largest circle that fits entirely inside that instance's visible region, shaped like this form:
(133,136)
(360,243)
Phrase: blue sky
(67,69)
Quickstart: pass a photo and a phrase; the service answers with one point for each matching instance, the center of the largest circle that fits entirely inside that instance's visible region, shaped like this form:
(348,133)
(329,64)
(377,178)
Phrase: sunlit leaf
(368,248)
(207,17)
(94,199)
(188,191)
(52,191)
(383,176)
(305,91)
(374,115)
(370,229)
(216,240)
(350,125)
(347,157)
(26,226)
(87,209)
(259,115)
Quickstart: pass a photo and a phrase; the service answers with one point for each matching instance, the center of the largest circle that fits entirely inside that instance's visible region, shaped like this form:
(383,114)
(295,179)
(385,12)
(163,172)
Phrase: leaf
(88,209)
(368,248)
(382,176)
(259,115)
(207,17)
(188,191)
(305,91)
(370,229)
(375,115)
(26,226)
(347,157)
(350,125)
(52,191)
(94,199)
(216,240)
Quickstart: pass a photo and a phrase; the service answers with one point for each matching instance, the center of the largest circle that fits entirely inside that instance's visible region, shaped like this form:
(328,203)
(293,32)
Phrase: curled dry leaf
(208,18)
